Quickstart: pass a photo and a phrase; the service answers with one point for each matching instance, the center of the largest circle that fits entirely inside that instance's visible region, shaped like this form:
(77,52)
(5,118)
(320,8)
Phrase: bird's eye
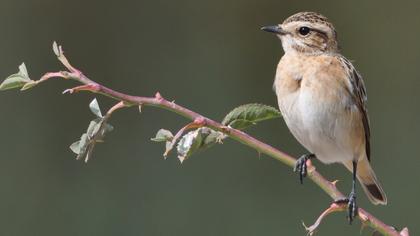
(304,30)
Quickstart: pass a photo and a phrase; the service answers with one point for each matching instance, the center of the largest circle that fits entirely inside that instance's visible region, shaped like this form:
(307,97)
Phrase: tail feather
(369,182)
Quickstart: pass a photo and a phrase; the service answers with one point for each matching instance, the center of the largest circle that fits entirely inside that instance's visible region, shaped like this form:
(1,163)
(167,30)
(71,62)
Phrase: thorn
(335,182)
(259,155)
(140,106)
(69,91)
(158,96)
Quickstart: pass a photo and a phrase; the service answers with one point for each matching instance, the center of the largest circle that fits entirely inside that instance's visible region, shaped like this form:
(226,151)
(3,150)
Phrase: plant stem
(242,137)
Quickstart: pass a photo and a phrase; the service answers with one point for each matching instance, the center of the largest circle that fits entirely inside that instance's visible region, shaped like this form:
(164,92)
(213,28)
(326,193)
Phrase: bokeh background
(211,57)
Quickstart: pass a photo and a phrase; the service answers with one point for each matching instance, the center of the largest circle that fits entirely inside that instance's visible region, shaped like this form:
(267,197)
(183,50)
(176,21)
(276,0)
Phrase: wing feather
(358,92)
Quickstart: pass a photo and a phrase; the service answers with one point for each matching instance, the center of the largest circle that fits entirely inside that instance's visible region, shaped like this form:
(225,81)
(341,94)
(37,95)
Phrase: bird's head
(306,32)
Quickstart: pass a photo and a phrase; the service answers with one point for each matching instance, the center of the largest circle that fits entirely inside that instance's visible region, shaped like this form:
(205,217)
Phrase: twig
(160,102)
(333,208)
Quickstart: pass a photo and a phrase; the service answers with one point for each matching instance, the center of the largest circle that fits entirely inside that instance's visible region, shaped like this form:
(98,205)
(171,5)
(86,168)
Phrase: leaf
(17,80)
(212,137)
(188,144)
(94,127)
(98,127)
(23,71)
(56,49)
(197,140)
(249,114)
(80,146)
(75,147)
(163,135)
(14,81)
(94,134)
(94,107)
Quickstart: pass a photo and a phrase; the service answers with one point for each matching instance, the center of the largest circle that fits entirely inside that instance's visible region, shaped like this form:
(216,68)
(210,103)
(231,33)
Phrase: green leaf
(23,71)
(18,80)
(249,114)
(75,147)
(197,140)
(95,133)
(56,49)
(84,146)
(188,144)
(94,107)
(14,81)
(98,127)
(163,135)
(80,146)
(94,127)
(211,137)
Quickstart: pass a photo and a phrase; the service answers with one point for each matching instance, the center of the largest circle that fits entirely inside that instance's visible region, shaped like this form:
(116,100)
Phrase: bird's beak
(274,29)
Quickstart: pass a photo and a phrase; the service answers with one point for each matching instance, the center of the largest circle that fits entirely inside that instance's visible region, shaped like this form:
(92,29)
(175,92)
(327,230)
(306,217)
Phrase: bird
(322,99)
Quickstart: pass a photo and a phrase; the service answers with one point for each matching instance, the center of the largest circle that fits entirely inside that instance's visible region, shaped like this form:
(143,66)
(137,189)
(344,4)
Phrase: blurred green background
(211,57)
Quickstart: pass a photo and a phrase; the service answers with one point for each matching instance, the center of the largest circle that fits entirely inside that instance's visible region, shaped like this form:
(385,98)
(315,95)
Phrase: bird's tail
(369,182)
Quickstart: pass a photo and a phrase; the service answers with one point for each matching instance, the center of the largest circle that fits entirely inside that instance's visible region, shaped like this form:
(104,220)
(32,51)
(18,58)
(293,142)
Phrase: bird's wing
(358,92)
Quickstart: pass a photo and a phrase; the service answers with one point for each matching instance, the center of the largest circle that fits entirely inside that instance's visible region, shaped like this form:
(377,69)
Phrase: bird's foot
(352,208)
(301,167)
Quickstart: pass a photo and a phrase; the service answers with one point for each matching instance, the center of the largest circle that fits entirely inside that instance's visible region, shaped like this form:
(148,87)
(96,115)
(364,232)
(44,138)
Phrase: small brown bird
(323,101)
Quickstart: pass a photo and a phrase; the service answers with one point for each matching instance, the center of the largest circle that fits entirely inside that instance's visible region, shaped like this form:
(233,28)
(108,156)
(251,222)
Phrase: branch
(201,121)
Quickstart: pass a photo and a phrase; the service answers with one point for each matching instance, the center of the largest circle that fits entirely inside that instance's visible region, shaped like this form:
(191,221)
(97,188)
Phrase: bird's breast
(315,107)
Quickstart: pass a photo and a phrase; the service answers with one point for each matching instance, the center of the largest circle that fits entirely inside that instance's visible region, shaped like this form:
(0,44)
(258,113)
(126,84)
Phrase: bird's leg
(351,200)
(352,197)
(301,167)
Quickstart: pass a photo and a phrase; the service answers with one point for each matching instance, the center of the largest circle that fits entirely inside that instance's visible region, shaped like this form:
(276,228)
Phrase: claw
(301,166)
(352,208)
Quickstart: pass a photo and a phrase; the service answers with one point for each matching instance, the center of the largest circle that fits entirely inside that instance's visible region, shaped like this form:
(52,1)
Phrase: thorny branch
(200,121)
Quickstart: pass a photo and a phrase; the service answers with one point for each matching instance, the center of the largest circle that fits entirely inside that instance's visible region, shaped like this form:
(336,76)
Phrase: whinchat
(323,101)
